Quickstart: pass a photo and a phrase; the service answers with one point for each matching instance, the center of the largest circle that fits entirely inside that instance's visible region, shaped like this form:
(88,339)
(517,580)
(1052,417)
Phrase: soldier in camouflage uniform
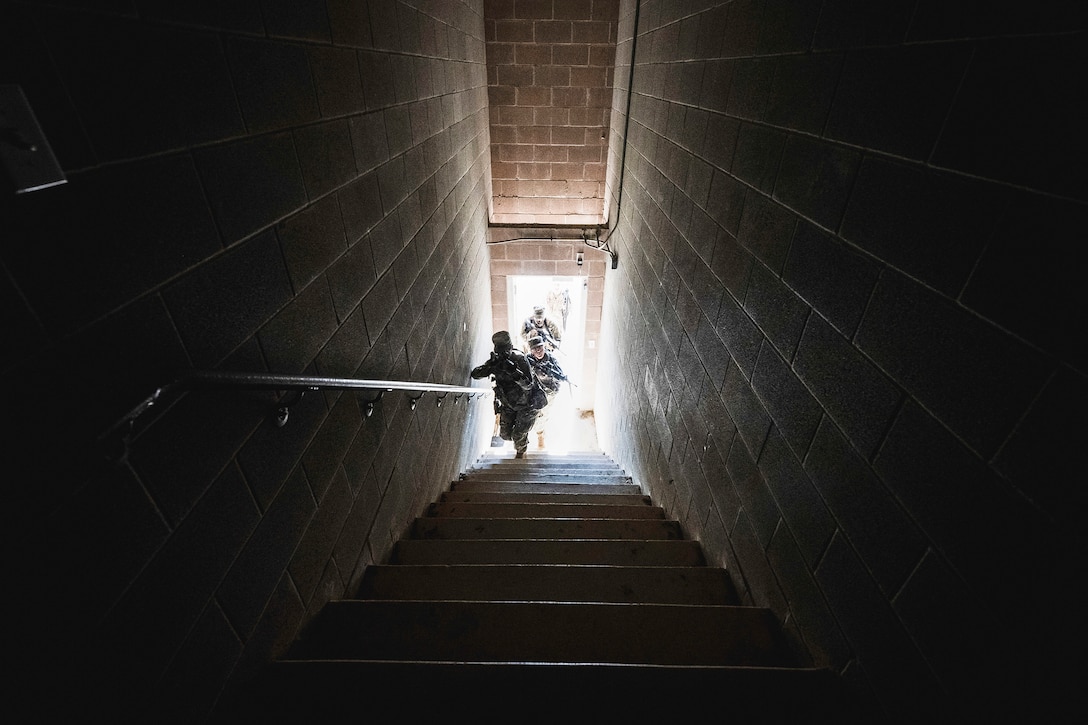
(538,324)
(550,374)
(515,384)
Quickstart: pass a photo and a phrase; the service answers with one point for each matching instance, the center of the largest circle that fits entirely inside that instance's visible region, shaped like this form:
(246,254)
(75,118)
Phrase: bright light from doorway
(568,427)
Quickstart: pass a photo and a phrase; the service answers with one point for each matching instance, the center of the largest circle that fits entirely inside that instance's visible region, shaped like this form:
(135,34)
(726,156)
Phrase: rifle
(551,368)
(551,342)
(508,364)
(548,338)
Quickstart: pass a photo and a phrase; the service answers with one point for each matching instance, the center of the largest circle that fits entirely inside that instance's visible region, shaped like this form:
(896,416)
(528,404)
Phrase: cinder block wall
(297,187)
(550,66)
(845,331)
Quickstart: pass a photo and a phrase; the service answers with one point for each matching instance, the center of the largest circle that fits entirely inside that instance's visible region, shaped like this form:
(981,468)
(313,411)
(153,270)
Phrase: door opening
(568,426)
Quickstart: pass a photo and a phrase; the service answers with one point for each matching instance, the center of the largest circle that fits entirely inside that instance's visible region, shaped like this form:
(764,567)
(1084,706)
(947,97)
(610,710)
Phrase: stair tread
(508,454)
(664,552)
(536,464)
(607,608)
(549,582)
(605,468)
(549,509)
(544,487)
(629,499)
(692,634)
(544,528)
(542,476)
(316,690)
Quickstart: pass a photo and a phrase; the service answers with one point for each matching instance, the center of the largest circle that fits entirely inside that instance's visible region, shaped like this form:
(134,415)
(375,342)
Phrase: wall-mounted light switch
(27,160)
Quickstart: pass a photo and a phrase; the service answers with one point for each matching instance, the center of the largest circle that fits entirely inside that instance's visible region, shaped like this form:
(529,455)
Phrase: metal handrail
(223,379)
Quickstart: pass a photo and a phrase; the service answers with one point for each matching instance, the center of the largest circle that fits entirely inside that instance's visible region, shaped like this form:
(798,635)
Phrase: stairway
(545,589)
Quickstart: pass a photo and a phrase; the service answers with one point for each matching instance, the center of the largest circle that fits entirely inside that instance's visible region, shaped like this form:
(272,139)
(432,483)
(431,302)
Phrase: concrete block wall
(550,66)
(294,187)
(844,332)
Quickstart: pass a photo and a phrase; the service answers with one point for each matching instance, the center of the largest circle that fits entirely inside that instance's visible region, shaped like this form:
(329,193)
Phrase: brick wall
(550,72)
(842,336)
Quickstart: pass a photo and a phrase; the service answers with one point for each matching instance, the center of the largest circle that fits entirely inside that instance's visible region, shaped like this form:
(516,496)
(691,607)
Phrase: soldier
(559,304)
(518,396)
(550,374)
(538,324)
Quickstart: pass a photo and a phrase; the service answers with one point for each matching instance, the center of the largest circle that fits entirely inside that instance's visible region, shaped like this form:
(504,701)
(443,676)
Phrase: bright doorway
(569,427)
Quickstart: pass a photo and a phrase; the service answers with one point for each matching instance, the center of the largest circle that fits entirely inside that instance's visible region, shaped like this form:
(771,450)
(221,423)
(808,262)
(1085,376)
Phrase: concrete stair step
(610,552)
(663,634)
(512,591)
(542,462)
(544,476)
(529,464)
(621,499)
(525,528)
(557,464)
(536,510)
(350,690)
(539,582)
(520,472)
(506,455)
(517,487)
(536,462)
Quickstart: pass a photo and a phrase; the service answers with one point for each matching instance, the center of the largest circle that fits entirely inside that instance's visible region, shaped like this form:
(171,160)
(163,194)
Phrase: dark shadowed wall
(844,329)
(292,187)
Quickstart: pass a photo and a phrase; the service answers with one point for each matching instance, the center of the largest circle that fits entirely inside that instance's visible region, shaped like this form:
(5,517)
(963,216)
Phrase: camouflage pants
(542,417)
(514,425)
